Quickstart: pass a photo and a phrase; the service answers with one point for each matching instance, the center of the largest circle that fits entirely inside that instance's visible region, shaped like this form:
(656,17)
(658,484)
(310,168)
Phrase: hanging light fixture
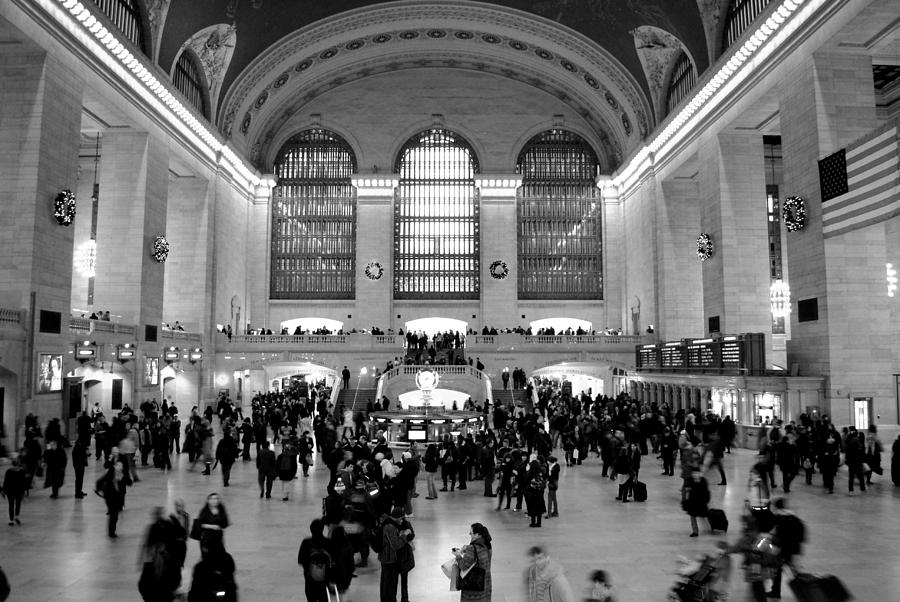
(780,299)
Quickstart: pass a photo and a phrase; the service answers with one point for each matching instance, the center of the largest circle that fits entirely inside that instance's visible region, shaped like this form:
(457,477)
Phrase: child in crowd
(601,589)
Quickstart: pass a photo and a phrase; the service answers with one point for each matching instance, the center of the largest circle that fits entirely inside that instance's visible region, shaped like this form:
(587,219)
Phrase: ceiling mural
(214,46)
(261,23)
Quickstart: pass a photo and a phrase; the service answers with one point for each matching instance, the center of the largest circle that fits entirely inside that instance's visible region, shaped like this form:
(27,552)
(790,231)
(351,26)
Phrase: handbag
(473,580)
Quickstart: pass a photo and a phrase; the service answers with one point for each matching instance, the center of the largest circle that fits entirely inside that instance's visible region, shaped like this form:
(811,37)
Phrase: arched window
(436,219)
(126,15)
(741,13)
(682,81)
(314,219)
(559,219)
(188,81)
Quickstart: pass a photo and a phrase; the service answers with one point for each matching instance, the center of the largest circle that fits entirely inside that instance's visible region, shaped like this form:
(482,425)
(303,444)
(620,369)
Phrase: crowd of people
(368,500)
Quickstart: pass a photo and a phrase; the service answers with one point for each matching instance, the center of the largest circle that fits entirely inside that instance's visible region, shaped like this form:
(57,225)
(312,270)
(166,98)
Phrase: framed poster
(151,371)
(49,373)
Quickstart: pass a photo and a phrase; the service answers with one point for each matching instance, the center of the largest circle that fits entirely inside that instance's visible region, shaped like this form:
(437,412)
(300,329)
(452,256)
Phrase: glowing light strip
(784,21)
(132,70)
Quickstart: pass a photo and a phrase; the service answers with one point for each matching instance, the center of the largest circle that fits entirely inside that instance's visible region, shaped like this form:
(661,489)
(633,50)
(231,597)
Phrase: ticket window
(767,408)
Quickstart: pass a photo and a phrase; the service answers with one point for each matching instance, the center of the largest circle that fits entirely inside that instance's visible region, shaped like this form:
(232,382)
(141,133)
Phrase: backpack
(319,565)
(376,538)
(537,482)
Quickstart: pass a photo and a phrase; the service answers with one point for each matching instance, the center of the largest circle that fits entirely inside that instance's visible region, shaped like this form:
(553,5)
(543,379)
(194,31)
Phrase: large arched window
(436,219)
(682,81)
(314,219)
(189,82)
(741,13)
(559,219)
(126,15)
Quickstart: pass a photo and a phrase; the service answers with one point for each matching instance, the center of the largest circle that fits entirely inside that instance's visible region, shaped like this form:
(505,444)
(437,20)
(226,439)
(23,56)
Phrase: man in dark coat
(226,454)
(265,465)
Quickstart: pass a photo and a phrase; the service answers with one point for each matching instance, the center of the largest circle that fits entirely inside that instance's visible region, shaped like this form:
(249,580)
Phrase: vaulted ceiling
(264,59)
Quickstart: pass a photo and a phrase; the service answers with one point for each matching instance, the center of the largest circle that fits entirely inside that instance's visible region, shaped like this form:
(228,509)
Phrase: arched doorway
(436,324)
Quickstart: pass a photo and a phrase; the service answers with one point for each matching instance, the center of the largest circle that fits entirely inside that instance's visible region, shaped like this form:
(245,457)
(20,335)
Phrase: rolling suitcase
(717,520)
(640,491)
(815,588)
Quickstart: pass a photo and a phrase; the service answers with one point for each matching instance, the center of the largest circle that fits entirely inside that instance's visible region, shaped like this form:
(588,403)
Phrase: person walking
(487,463)
(266,469)
(854,454)
(287,468)
(211,522)
(431,462)
(226,454)
(113,487)
(478,552)
(342,560)
(393,541)
(545,579)
(80,455)
(316,559)
(790,533)
(55,460)
(536,482)
(345,377)
(552,487)
(15,483)
(213,578)
(695,499)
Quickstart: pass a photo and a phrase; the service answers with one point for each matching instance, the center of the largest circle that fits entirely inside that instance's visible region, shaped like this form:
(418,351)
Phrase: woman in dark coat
(695,499)
(535,483)
(431,462)
(212,521)
(55,460)
(448,465)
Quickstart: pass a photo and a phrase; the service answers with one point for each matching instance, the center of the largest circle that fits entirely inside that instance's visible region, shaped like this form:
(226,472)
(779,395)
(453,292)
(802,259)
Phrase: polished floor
(61,552)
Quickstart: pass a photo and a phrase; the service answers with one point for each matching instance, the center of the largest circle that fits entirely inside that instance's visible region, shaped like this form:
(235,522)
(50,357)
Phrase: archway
(436,324)
(560,324)
(311,325)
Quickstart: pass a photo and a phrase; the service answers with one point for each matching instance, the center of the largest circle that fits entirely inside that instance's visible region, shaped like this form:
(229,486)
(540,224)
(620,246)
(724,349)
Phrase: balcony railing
(10,317)
(88,326)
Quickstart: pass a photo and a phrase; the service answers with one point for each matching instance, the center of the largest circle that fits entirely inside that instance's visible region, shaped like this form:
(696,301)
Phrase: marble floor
(61,551)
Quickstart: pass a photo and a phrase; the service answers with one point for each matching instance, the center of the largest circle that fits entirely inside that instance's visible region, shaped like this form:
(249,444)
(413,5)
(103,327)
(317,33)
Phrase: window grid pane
(741,13)
(436,220)
(559,219)
(683,80)
(314,219)
(187,79)
(127,17)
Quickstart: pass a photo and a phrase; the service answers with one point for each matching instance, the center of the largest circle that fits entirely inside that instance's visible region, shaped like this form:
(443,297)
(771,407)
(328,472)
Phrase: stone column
(680,271)
(733,212)
(614,263)
(826,103)
(40,120)
(259,244)
(134,174)
(187,279)
(499,228)
(375,217)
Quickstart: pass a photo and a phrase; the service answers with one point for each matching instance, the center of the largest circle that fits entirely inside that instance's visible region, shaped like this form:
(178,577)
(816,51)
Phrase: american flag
(861,184)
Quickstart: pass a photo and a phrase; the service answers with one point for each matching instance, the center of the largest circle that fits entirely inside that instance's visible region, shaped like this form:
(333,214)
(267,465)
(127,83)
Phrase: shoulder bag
(473,581)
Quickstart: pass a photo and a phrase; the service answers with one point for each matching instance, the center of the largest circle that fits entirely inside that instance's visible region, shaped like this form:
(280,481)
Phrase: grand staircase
(517,397)
(355,399)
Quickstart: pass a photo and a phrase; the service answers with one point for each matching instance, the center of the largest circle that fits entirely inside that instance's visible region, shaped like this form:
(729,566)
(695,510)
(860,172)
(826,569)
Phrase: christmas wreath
(64,207)
(704,246)
(160,249)
(793,212)
(499,270)
(374,270)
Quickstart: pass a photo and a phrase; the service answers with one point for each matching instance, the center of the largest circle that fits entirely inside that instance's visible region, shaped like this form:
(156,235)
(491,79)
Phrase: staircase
(517,397)
(362,396)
